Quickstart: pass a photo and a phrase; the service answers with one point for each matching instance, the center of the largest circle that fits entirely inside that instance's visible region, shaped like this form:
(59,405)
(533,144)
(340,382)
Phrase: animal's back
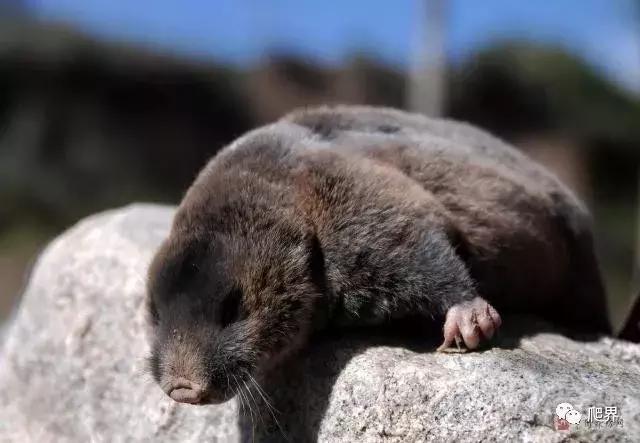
(530,237)
(525,237)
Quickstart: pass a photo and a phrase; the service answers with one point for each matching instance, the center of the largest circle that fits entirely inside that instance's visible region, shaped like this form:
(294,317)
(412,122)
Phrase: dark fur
(360,215)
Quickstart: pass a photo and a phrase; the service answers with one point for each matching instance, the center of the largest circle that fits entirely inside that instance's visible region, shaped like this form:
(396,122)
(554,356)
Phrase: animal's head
(230,292)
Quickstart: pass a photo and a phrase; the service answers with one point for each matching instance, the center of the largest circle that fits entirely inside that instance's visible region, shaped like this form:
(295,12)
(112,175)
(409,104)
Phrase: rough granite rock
(72,368)
(73,364)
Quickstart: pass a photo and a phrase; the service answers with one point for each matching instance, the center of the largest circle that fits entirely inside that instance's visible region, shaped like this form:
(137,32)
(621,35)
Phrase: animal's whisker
(255,403)
(272,410)
(262,393)
(246,405)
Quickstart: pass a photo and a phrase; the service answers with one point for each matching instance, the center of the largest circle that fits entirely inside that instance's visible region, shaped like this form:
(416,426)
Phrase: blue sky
(606,33)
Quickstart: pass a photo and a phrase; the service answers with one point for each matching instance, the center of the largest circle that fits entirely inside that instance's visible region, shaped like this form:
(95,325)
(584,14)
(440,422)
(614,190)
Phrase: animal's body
(353,215)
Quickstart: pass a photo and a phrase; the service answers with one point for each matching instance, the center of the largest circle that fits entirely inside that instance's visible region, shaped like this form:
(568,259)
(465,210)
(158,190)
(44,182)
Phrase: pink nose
(184,391)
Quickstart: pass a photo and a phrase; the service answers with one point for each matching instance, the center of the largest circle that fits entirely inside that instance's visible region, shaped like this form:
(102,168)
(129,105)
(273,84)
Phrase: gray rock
(73,365)
(346,390)
(72,368)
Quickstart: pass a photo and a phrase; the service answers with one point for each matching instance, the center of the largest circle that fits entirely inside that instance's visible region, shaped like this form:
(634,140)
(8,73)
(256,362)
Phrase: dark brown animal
(356,215)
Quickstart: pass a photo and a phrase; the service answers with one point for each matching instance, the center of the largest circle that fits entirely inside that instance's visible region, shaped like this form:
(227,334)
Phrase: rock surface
(72,368)
(73,365)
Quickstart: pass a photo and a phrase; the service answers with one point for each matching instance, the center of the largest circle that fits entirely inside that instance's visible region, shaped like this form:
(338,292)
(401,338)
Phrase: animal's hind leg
(583,306)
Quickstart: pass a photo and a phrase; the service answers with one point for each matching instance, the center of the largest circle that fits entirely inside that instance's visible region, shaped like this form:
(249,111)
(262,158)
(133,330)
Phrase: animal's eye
(186,276)
(231,307)
(189,271)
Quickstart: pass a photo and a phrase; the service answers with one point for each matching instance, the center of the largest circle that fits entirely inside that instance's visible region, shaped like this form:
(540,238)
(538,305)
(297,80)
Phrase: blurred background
(105,102)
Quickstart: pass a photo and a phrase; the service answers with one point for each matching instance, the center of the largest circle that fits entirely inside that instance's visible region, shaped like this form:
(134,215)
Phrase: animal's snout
(184,391)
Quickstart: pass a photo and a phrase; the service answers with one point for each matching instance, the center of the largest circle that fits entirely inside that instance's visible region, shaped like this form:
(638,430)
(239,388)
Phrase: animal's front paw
(470,322)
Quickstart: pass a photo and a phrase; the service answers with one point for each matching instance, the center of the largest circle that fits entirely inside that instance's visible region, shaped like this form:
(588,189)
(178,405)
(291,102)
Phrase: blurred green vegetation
(514,87)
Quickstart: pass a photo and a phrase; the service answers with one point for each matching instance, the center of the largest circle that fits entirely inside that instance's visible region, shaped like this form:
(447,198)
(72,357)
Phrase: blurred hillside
(86,125)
